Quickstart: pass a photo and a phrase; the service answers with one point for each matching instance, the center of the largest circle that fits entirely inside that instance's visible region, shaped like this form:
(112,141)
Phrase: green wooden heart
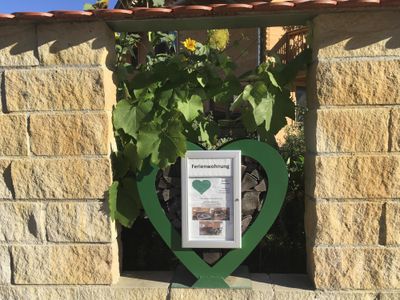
(213,276)
(201,185)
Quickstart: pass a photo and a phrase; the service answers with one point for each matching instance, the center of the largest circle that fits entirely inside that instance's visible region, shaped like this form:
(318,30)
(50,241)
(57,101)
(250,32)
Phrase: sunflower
(190,44)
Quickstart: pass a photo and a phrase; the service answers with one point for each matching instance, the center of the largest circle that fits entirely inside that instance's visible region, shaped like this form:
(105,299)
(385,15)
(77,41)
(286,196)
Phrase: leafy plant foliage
(161,106)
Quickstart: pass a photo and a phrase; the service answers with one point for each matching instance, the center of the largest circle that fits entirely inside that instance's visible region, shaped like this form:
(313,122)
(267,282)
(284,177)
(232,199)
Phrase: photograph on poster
(207,213)
(211,227)
(211,199)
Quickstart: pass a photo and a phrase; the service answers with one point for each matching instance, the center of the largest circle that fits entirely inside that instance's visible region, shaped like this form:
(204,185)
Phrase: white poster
(212,207)
(210,199)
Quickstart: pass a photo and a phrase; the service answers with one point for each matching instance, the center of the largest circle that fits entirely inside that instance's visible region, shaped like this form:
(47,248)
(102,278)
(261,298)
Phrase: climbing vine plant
(161,104)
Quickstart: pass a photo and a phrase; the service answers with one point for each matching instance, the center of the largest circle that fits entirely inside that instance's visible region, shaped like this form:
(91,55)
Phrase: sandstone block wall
(353,161)
(56,96)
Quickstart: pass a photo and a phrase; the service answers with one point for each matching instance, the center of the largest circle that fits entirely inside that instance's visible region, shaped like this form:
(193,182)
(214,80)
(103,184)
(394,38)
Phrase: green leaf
(131,157)
(119,165)
(263,112)
(227,90)
(273,80)
(248,96)
(283,107)
(286,104)
(208,131)
(148,141)
(124,201)
(163,97)
(128,117)
(259,91)
(204,136)
(192,108)
(144,79)
(124,117)
(173,144)
(248,119)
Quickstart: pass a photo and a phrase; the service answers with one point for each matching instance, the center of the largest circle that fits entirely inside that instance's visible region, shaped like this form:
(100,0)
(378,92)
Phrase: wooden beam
(248,20)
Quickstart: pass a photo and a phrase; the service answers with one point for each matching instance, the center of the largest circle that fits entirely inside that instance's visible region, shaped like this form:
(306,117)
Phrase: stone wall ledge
(156,285)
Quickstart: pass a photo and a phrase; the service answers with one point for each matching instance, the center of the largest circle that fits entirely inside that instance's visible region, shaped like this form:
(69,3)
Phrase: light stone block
(392,225)
(69,264)
(142,285)
(38,293)
(393,295)
(361,268)
(110,89)
(88,43)
(79,222)
(310,220)
(348,130)
(360,82)
(292,286)
(5,266)
(347,176)
(395,130)
(61,178)
(141,293)
(95,293)
(13,135)
(346,295)
(344,223)
(18,45)
(261,286)
(70,134)
(1,93)
(215,294)
(146,285)
(21,222)
(356,34)
(56,89)
(6,187)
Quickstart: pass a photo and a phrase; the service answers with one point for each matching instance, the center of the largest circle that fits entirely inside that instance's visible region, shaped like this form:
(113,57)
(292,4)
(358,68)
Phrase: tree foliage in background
(100,4)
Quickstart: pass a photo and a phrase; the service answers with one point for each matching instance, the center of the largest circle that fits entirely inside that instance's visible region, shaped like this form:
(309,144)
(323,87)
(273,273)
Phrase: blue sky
(10,6)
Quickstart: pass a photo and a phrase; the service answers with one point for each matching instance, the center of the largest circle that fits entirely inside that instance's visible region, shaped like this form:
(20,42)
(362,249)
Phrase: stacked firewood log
(254,188)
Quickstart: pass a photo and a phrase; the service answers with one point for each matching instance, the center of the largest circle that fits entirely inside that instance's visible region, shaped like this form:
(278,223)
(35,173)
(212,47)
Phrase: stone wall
(55,131)
(353,162)
(56,94)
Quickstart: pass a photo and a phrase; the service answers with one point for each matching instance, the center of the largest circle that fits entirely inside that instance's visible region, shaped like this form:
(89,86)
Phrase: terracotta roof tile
(200,10)
(195,10)
(112,13)
(67,14)
(6,16)
(32,15)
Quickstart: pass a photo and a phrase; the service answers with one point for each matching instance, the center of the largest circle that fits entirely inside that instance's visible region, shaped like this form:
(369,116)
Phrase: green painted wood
(248,20)
(213,276)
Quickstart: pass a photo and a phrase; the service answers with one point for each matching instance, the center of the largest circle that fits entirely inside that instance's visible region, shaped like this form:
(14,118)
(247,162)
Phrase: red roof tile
(67,14)
(201,10)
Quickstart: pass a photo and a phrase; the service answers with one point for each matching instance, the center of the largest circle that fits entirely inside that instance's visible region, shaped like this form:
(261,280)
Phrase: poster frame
(187,242)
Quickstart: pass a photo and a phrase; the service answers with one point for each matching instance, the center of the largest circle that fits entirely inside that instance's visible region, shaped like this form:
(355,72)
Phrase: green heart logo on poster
(201,185)
(213,276)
